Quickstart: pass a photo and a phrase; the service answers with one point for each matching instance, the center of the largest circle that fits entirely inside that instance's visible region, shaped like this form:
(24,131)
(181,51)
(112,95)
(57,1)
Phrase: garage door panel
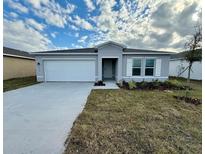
(70,70)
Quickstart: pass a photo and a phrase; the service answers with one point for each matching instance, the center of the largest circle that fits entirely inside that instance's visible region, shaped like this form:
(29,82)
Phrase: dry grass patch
(124,121)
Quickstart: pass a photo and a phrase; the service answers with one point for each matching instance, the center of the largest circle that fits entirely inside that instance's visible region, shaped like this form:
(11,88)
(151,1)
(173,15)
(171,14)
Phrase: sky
(39,25)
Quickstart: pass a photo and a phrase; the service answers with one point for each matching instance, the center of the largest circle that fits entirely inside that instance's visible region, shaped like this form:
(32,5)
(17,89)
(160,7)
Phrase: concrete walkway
(108,85)
(38,118)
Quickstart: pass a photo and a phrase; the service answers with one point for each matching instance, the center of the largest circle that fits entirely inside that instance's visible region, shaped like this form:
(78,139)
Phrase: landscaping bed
(167,85)
(172,84)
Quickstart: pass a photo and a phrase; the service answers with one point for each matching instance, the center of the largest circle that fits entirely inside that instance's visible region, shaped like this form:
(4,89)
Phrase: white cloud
(13,14)
(146,24)
(76,34)
(35,24)
(90,5)
(159,25)
(37,3)
(73,27)
(82,39)
(52,12)
(18,6)
(53,34)
(78,46)
(19,35)
(82,23)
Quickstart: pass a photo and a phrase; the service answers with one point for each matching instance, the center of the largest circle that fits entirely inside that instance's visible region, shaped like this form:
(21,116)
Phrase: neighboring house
(178,64)
(17,64)
(107,61)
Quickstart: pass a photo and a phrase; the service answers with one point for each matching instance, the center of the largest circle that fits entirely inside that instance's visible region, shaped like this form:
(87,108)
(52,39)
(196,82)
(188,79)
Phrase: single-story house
(178,64)
(106,61)
(17,64)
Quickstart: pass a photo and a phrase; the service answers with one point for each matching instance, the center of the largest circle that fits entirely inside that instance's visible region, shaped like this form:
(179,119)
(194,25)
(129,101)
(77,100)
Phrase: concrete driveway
(37,118)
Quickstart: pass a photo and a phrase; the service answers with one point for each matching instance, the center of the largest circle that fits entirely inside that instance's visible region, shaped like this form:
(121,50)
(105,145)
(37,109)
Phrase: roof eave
(35,54)
(146,53)
(18,56)
(68,51)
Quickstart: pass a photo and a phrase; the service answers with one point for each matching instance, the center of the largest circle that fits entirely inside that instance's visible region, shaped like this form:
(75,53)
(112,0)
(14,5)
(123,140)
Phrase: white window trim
(154,67)
(143,66)
(138,58)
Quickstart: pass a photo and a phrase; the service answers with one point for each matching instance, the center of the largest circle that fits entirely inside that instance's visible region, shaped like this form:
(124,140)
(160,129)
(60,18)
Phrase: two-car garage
(69,70)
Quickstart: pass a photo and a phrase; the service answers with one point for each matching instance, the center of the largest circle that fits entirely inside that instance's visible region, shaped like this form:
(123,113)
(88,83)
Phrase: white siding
(177,66)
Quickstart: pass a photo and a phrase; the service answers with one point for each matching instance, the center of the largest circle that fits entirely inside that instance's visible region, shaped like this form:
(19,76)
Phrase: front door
(108,69)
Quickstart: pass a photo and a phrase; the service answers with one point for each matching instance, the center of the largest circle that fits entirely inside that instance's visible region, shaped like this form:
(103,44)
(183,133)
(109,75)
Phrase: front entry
(109,69)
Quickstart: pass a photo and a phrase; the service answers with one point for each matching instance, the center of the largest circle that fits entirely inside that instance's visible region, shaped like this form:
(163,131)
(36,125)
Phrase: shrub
(157,83)
(174,84)
(170,84)
(132,85)
(140,85)
(99,83)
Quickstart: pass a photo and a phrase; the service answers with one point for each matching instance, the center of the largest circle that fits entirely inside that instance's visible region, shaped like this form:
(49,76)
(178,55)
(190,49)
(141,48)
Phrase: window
(136,67)
(149,67)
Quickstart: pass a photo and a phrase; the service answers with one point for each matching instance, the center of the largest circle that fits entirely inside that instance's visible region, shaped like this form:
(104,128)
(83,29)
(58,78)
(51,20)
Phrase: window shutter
(158,67)
(129,67)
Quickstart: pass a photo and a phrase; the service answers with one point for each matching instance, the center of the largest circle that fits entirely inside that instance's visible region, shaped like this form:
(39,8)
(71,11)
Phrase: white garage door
(69,70)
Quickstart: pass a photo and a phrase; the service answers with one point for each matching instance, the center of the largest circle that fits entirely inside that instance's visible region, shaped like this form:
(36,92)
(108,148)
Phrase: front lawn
(16,83)
(137,121)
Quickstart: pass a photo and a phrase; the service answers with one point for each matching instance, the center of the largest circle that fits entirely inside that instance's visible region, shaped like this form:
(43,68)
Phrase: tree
(194,52)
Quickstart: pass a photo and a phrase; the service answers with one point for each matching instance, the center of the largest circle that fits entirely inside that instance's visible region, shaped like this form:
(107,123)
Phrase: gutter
(63,53)
(145,53)
(17,56)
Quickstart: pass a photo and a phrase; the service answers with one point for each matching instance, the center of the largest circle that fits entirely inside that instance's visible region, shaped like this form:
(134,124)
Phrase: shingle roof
(142,50)
(83,50)
(95,50)
(15,52)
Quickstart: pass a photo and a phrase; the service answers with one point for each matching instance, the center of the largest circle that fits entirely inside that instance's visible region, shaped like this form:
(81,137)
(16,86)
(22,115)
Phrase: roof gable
(110,43)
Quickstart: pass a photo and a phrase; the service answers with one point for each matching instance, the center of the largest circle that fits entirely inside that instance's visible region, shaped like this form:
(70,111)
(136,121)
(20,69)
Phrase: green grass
(131,121)
(16,83)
